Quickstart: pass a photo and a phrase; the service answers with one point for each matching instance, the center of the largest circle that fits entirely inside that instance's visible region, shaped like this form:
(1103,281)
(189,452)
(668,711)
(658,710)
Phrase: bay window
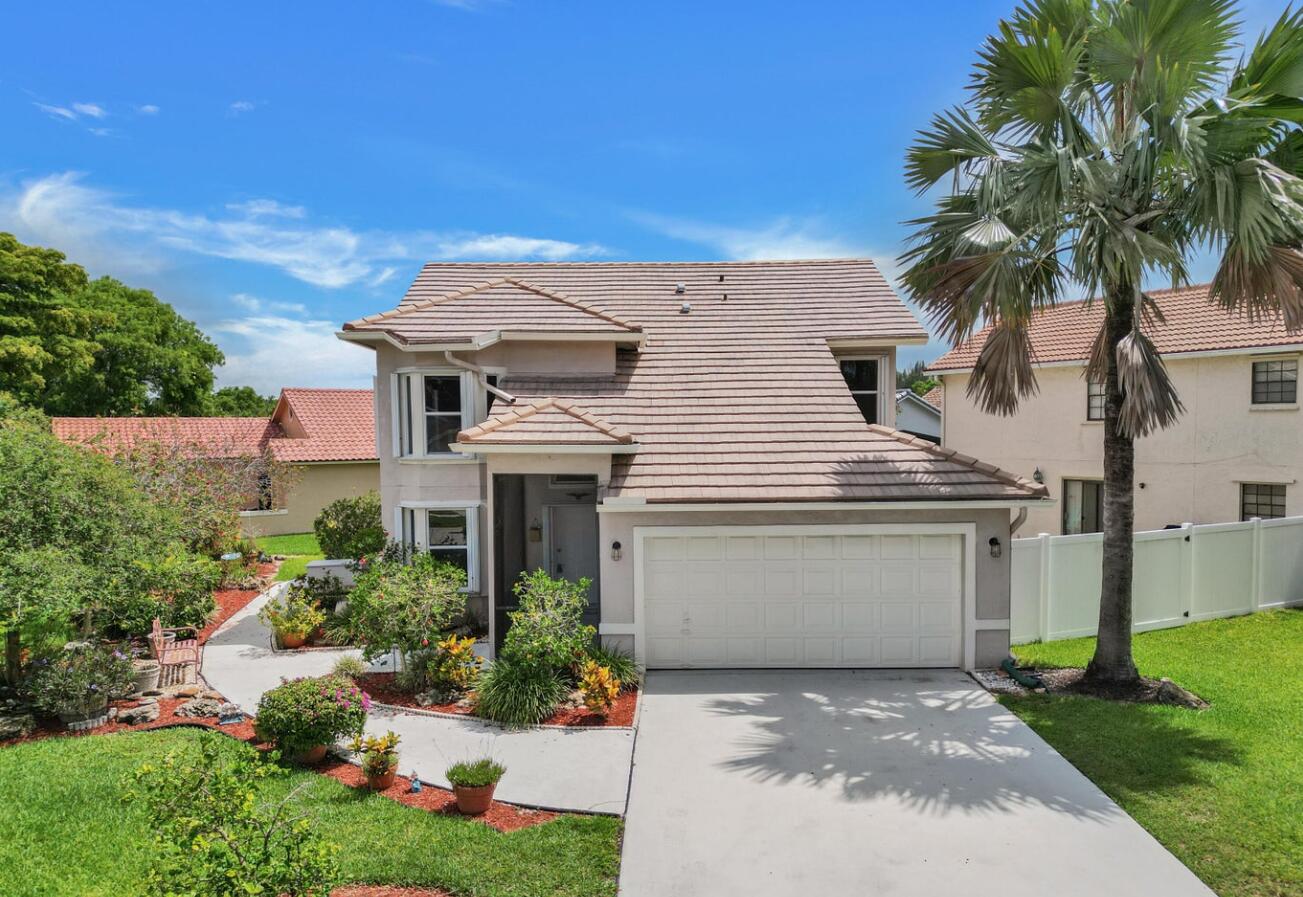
(449,531)
(431,408)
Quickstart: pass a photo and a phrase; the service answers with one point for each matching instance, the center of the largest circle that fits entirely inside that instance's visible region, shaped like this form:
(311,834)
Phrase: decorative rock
(152,692)
(199,707)
(187,691)
(143,702)
(145,713)
(1171,693)
(16,725)
(229,714)
(212,695)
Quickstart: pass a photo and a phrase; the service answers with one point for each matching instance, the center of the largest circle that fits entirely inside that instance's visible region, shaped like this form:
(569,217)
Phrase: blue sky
(274,169)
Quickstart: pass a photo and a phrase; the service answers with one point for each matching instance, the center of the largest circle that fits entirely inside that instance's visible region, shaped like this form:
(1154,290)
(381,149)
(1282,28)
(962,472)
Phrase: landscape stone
(187,691)
(145,713)
(16,725)
(199,707)
(1171,693)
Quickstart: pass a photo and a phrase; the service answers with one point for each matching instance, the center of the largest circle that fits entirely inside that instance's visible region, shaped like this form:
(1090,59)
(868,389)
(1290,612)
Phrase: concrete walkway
(862,782)
(560,769)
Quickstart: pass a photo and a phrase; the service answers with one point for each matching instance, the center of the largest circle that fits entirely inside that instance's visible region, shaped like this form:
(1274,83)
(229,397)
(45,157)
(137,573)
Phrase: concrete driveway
(866,782)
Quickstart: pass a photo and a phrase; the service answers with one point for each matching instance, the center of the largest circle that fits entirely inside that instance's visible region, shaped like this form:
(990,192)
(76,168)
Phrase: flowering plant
(379,755)
(82,677)
(301,714)
(598,687)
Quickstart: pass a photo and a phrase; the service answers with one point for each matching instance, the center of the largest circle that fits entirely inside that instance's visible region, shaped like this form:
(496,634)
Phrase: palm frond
(1274,66)
(1261,284)
(1149,400)
(1003,376)
(952,141)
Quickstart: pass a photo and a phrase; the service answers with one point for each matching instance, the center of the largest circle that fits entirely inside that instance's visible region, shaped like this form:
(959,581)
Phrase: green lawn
(1222,788)
(298,548)
(64,830)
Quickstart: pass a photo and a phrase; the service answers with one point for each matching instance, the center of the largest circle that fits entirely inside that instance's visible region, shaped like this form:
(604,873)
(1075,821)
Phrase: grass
(65,832)
(1222,788)
(298,548)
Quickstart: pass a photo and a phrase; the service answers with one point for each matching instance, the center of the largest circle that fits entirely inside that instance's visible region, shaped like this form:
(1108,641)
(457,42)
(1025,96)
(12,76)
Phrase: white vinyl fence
(1181,576)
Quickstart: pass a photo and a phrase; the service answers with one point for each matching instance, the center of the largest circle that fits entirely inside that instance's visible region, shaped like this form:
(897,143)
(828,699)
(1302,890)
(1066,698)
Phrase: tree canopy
(239,401)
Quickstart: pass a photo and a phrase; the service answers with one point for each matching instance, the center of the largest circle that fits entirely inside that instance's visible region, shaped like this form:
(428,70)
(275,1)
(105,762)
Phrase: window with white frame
(1264,500)
(448,532)
(1275,381)
(863,376)
(1095,396)
(430,408)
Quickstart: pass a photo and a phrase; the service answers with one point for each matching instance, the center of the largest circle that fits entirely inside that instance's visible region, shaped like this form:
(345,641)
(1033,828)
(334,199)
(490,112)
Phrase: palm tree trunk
(1112,663)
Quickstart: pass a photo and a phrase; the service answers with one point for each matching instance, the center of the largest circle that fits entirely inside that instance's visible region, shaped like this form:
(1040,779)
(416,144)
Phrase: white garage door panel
(801,598)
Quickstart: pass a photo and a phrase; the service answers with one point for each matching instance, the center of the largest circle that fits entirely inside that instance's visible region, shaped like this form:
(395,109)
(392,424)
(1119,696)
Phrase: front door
(572,550)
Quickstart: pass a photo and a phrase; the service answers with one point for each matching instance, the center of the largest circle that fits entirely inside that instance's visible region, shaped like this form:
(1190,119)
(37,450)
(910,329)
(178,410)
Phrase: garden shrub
(80,678)
(621,665)
(598,687)
(349,667)
(453,667)
(350,528)
(214,833)
(379,753)
(475,773)
(404,606)
(519,692)
(548,627)
(176,587)
(291,615)
(302,713)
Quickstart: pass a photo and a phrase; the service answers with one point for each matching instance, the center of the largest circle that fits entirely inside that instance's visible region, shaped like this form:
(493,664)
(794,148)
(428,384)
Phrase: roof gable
(336,425)
(547,421)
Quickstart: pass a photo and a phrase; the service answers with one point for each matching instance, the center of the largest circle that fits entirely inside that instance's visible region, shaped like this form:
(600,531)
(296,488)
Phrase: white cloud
(92,110)
(101,132)
(386,274)
(147,109)
(97,228)
(57,111)
(241,106)
(781,238)
(253,303)
(275,351)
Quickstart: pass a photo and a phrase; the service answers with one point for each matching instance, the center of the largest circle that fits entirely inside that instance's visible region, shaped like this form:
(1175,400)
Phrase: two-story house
(1236,453)
(712,444)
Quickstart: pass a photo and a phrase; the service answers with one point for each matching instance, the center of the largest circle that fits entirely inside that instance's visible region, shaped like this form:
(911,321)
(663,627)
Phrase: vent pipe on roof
(685,308)
(483,378)
(680,288)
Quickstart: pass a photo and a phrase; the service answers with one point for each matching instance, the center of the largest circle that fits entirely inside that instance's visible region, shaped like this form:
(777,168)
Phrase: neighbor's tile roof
(502,304)
(1193,323)
(207,437)
(740,399)
(340,425)
(934,397)
(547,421)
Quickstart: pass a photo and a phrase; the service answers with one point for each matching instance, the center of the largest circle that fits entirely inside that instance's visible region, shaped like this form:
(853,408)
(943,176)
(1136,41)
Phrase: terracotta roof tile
(740,399)
(1193,323)
(206,437)
(934,397)
(328,425)
(547,421)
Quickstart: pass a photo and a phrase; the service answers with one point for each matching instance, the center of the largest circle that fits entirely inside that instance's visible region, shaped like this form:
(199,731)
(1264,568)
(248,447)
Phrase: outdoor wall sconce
(536,532)
(1037,475)
(996,549)
(616,553)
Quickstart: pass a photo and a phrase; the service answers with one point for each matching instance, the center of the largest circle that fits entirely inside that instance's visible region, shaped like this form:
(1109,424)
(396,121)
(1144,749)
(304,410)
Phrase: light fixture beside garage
(616,553)
(996,549)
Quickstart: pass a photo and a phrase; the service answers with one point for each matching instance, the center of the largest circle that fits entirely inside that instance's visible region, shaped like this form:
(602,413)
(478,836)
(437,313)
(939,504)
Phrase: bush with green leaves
(215,835)
(349,667)
(176,587)
(621,665)
(350,528)
(475,773)
(404,605)
(291,616)
(81,678)
(301,714)
(548,628)
(518,692)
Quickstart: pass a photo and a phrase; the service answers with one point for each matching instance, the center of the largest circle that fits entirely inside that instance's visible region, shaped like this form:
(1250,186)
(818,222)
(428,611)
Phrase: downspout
(1018,521)
(483,378)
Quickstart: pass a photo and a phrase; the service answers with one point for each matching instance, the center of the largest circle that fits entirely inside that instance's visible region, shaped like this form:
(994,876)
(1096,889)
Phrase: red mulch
(232,601)
(503,817)
(386,891)
(52,728)
(380,686)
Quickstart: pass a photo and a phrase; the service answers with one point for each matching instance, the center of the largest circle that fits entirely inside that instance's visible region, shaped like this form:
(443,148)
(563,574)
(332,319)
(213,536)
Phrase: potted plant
(147,673)
(78,683)
(473,784)
(302,717)
(292,620)
(379,759)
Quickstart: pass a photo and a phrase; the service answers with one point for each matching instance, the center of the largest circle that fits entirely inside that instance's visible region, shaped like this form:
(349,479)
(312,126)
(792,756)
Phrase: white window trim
(883,365)
(474,408)
(1103,393)
(421,533)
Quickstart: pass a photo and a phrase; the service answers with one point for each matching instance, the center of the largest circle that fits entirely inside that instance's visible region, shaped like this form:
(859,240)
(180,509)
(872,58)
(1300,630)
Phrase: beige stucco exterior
(315,486)
(1189,473)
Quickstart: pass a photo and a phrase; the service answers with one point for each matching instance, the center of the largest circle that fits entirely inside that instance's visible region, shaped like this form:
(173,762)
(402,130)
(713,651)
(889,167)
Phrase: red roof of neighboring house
(933,397)
(308,425)
(213,437)
(325,425)
(1193,323)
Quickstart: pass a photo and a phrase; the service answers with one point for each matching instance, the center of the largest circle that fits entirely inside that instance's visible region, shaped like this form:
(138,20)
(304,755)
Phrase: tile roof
(502,304)
(1193,323)
(934,397)
(337,425)
(740,399)
(548,421)
(207,437)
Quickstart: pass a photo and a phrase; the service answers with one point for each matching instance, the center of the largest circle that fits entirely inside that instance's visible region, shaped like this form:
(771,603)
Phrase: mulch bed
(500,816)
(49,727)
(1072,681)
(232,601)
(380,686)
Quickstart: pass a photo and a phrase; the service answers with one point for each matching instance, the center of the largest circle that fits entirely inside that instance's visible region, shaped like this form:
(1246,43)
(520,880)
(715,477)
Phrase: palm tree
(1105,143)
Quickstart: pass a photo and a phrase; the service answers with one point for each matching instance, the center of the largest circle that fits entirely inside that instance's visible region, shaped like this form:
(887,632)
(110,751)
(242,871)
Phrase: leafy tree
(239,401)
(914,375)
(350,528)
(1105,142)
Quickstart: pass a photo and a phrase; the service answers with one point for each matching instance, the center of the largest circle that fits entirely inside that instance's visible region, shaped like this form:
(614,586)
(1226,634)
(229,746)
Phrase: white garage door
(800,597)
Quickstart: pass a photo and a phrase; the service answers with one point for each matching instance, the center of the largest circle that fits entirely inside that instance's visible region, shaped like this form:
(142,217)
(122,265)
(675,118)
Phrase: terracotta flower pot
(312,756)
(292,640)
(473,801)
(382,781)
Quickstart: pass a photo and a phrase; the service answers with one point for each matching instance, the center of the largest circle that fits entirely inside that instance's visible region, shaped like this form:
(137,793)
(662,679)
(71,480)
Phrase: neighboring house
(710,443)
(326,435)
(1236,452)
(916,416)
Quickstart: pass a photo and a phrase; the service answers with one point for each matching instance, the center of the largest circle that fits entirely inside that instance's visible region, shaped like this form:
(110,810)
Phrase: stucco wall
(318,485)
(1190,472)
(992,574)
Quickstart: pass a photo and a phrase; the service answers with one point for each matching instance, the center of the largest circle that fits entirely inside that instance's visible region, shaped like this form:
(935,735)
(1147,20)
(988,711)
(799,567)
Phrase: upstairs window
(1264,500)
(442,408)
(1275,382)
(1094,400)
(862,376)
(430,409)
